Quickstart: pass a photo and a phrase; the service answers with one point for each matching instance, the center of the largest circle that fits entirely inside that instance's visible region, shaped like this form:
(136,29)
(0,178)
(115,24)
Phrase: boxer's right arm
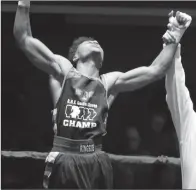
(33,48)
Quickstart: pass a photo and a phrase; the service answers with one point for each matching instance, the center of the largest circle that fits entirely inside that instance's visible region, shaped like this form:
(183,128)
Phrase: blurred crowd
(160,139)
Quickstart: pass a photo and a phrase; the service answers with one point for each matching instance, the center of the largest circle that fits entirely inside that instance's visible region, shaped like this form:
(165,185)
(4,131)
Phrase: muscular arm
(142,76)
(178,98)
(34,49)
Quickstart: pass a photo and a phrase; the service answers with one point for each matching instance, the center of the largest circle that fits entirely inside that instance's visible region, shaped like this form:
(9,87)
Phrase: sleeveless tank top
(82,109)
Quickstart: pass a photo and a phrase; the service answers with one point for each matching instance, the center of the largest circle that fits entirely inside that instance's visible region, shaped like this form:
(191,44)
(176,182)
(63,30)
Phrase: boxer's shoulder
(110,80)
(64,64)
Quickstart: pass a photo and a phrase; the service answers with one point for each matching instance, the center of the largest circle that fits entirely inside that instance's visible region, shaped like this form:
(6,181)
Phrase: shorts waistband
(61,144)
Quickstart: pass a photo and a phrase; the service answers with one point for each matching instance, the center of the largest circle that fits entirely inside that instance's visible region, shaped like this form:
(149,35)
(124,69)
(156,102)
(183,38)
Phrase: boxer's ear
(75,58)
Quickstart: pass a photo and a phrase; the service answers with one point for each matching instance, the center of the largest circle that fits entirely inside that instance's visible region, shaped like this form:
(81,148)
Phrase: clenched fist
(176,27)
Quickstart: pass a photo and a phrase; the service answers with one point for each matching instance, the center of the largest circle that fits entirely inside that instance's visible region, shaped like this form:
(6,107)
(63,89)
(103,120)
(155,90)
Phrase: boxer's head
(84,48)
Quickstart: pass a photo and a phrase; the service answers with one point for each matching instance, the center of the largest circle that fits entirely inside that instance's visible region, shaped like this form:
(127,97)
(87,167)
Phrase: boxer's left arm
(134,79)
(142,76)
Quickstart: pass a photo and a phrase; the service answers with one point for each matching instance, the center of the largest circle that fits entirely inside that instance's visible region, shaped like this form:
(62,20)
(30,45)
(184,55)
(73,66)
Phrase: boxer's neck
(88,68)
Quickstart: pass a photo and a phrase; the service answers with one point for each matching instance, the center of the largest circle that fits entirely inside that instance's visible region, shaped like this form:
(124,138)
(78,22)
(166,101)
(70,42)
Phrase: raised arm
(142,76)
(178,98)
(139,77)
(34,49)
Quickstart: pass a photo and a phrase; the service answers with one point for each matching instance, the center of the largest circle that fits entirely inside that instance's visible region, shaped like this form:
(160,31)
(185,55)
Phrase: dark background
(26,101)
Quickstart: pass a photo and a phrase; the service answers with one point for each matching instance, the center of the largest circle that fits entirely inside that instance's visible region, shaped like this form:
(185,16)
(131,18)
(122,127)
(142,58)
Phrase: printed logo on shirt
(79,114)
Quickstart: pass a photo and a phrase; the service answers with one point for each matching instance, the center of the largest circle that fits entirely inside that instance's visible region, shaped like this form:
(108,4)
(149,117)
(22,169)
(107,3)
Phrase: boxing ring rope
(120,158)
(129,171)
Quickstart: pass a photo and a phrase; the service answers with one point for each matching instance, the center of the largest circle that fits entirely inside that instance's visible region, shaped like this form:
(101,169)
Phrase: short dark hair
(73,48)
